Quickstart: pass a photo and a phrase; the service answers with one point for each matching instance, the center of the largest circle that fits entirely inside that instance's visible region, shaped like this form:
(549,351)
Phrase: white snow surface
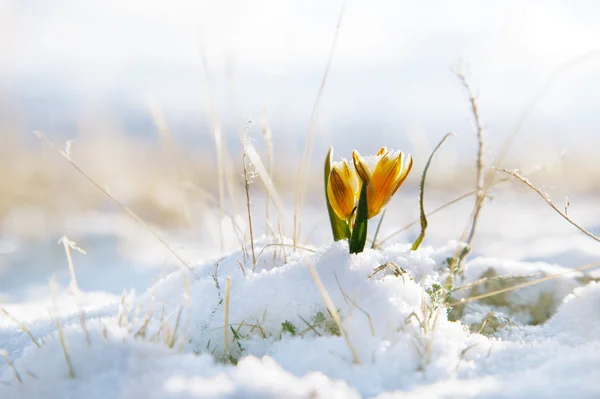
(404,347)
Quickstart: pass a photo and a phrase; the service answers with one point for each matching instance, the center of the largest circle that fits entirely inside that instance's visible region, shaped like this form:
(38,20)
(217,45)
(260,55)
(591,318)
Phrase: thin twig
(310,137)
(116,201)
(546,198)
(480,183)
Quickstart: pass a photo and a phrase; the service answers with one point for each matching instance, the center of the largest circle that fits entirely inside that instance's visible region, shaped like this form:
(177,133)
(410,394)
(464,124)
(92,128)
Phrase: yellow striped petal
(385,179)
(342,190)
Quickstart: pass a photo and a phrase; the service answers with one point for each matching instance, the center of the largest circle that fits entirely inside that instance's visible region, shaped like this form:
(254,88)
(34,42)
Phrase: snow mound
(281,340)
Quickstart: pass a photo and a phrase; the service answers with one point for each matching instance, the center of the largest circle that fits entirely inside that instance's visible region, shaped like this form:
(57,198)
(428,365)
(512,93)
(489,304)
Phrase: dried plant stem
(61,335)
(526,284)
(546,198)
(69,244)
(10,364)
(247,180)
(480,183)
(226,322)
(264,175)
(73,287)
(116,201)
(332,309)
(307,150)
(21,325)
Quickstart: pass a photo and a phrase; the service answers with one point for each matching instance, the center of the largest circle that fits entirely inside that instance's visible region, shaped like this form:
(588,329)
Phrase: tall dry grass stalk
(21,325)
(73,286)
(247,180)
(546,198)
(61,335)
(226,318)
(307,150)
(11,365)
(332,309)
(116,201)
(481,188)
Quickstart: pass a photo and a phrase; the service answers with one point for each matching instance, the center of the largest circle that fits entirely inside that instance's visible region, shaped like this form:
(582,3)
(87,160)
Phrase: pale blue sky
(390,76)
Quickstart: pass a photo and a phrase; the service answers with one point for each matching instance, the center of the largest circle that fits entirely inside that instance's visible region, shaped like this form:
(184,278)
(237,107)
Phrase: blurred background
(138,88)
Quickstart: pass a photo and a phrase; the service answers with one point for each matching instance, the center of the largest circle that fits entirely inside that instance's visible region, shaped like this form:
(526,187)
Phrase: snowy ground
(167,337)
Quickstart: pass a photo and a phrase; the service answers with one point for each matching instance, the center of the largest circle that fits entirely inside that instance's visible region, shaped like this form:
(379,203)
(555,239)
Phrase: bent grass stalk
(116,201)
(546,198)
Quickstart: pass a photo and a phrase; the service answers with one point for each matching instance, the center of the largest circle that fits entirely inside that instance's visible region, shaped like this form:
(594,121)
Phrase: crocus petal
(406,170)
(384,180)
(340,193)
(361,167)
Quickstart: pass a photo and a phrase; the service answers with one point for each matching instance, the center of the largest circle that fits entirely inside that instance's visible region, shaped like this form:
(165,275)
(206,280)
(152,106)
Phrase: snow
(168,341)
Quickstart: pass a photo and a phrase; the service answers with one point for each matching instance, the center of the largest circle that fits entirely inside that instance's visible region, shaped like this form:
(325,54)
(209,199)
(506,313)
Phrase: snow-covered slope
(395,342)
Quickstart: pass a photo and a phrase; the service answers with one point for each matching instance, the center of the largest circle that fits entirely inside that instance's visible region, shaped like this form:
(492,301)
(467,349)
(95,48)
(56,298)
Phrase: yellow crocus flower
(383,173)
(343,189)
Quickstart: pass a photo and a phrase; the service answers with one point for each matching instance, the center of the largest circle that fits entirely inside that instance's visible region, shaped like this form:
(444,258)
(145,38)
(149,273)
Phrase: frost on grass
(283,342)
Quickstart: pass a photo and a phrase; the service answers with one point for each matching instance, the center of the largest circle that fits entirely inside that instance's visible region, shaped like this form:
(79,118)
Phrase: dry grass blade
(226,322)
(546,198)
(283,246)
(267,180)
(73,287)
(332,309)
(480,183)
(21,325)
(10,364)
(116,201)
(69,245)
(61,335)
(310,137)
(523,285)
(247,181)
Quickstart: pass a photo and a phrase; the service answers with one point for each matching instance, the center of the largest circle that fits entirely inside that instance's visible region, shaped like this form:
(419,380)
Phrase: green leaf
(339,227)
(423,217)
(359,232)
(287,326)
